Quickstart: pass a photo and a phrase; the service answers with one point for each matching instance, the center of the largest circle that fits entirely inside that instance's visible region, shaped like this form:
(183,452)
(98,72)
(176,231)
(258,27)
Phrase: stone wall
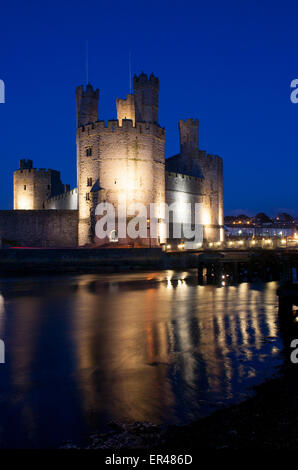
(87,105)
(124,159)
(146,90)
(65,201)
(182,189)
(127,162)
(31,187)
(126,109)
(212,168)
(39,228)
(209,168)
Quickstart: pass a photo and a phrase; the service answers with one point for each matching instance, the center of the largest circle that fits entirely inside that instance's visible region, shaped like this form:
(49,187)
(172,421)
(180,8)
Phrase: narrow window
(25,187)
(88,151)
(87,196)
(89,181)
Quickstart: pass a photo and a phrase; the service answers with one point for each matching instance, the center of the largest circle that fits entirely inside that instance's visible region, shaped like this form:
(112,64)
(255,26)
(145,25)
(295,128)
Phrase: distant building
(261,225)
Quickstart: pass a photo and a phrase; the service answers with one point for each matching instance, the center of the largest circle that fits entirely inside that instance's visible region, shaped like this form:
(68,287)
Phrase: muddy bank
(268,420)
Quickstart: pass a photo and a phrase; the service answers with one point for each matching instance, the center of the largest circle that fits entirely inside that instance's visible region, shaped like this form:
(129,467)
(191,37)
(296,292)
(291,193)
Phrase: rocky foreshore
(268,420)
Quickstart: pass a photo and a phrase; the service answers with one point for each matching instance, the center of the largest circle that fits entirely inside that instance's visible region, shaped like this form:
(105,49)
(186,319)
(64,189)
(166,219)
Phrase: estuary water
(85,350)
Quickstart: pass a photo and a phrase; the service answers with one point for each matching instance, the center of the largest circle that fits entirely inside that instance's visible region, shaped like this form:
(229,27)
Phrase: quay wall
(83,260)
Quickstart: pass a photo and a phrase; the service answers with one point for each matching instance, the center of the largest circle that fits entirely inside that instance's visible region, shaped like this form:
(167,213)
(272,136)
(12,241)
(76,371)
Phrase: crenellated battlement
(25,163)
(143,79)
(67,200)
(63,196)
(170,175)
(209,158)
(38,172)
(146,97)
(126,108)
(32,186)
(87,104)
(189,122)
(126,156)
(88,92)
(113,126)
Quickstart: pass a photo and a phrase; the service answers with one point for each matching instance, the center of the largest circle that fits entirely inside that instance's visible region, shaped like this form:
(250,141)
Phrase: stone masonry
(33,186)
(122,160)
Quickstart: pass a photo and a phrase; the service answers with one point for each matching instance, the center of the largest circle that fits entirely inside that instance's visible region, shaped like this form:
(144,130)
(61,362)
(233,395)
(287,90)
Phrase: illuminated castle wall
(33,186)
(124,159)
(197,177)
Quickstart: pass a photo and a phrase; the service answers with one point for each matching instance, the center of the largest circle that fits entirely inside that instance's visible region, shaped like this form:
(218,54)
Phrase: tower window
(89,181)
(49,186)
(25,187)
(87,196)
(88,151)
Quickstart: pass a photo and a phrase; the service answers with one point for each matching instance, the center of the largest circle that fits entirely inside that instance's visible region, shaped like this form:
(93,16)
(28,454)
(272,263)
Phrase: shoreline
(267,420)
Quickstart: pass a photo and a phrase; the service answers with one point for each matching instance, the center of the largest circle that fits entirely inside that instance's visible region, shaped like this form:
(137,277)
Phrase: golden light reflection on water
(154,347)
(173,335)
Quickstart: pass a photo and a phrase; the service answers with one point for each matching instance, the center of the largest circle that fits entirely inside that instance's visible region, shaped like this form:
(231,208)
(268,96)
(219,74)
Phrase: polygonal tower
(123,160)
(189,135)
(87,105)
(146,98)
(32,186)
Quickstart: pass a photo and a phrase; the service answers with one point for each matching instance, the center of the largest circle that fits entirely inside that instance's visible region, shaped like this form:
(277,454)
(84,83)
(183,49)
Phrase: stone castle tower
(206,173)
(32,186)
(123,160)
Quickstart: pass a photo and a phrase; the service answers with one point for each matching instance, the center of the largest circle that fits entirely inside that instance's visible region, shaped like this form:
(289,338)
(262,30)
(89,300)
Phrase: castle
(123,159)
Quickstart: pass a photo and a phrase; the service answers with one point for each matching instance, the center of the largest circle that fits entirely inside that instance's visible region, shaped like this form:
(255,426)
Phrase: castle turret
(32,186)
(122,160)
(87,105)
(189,135)
(146,98)
(25,164)
(126,109)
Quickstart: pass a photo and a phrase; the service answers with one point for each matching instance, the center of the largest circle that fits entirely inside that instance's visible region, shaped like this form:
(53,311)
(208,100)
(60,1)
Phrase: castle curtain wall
(39,228)
(64,201)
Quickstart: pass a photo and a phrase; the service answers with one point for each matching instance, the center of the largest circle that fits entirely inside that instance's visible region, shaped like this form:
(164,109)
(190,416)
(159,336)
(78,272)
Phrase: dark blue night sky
(228,63)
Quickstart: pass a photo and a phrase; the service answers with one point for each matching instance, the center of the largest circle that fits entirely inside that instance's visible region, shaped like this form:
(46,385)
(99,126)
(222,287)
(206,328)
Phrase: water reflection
(84,350)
